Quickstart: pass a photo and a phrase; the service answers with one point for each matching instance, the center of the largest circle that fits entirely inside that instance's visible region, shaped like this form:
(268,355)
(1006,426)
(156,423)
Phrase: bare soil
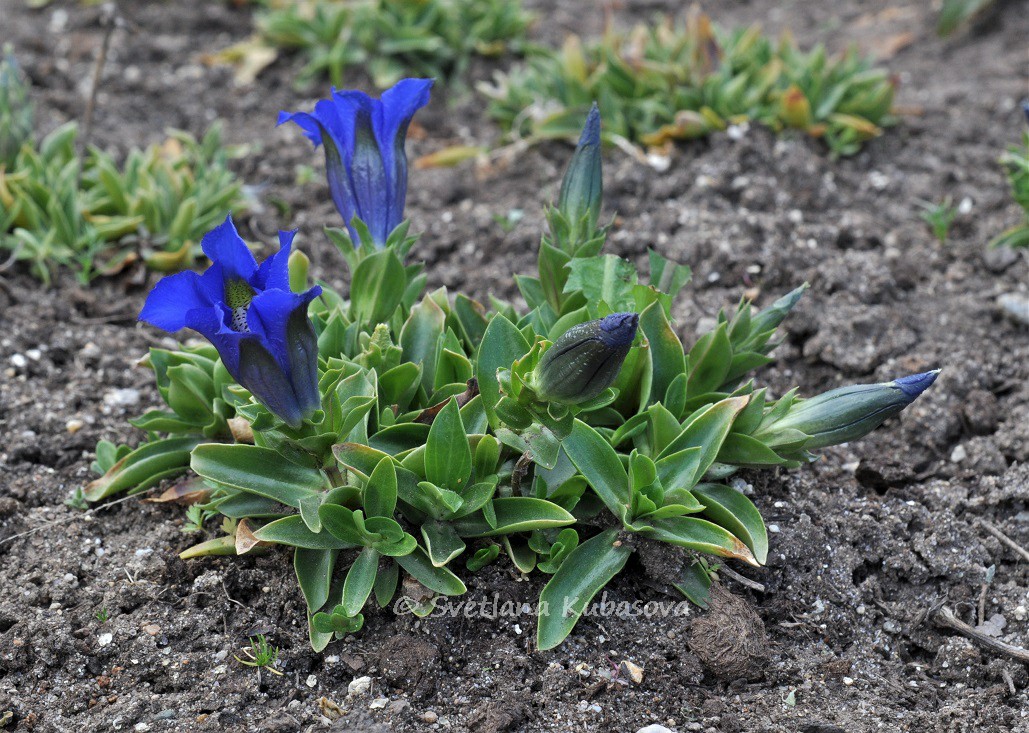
(866,543)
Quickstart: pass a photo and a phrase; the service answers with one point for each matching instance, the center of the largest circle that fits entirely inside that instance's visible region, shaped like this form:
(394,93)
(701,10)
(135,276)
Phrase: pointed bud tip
(915,384)
(591,130)
(619,329)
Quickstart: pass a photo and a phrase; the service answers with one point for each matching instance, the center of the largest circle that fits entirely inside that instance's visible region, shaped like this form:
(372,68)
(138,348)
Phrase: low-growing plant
(672,81)
(17,115)
(387,38)
(260,655)
(87,213)
(1016,163)
(396,430)
(938,217)
(957,13)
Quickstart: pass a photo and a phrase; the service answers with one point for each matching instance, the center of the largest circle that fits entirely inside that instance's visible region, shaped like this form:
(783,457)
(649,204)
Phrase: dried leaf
(245,539)
(191,491)
(449,157)
(247,58)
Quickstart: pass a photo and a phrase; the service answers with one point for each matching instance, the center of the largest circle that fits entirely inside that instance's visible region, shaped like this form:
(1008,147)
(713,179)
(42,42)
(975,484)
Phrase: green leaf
(419,337)
(667,276)
(377,287)
(709,361)
(341,523)
(448,458)
(360,581)
(516,514)
(441,542)
(144,467)
(598,462)
(502,344)
(314,572)
(386,584)
(256,470)
(707,431)
(520,553)
(700,535)
(743,450)
(380,491)
(440,580)
(581,576)
(667,358)
(734,511)
(605,278)
(292,531)
(695,584)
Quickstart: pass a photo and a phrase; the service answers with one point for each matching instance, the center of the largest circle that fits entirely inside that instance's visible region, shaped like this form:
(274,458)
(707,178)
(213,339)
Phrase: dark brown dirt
(865,543)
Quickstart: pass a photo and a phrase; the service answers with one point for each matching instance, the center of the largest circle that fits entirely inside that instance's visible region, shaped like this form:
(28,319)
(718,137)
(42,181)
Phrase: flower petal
(273,273)
(172,298)
(224,246)
(398,105)
(211,324)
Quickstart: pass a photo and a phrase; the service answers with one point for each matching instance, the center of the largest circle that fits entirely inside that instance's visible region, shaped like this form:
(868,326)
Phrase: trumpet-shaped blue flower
(259,326)
(364,151)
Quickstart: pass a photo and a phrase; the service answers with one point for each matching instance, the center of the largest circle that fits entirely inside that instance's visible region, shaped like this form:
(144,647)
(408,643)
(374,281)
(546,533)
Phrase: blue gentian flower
(259,326)
(364,151)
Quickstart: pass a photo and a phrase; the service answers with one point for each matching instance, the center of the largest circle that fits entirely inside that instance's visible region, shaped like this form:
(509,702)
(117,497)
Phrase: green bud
(848,413)
(585,360)
(582,187)
(771,317)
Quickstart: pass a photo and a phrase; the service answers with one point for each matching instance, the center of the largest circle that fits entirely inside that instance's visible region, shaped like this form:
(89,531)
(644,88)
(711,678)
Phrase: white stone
(359,686)
(654,728)
(105,639)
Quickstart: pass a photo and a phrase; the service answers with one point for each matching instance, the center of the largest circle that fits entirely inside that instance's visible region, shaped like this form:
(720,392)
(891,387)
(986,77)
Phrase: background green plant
(391,39)
(91,215)
(1016,163)
(670,81)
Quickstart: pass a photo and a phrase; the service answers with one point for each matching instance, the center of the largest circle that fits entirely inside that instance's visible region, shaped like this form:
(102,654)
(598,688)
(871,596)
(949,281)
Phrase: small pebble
(635,672)
(105,639)
(958,454)
(359,686)
(654,728)
(19,361)
(74,425)
(378,703)
(312,680)
(848,681)
(429,716)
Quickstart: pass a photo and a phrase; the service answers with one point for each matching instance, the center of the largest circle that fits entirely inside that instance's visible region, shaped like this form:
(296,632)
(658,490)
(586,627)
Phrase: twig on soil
(1010,682)
(65,520)
(982,603)
(946,618)
(1003,538)
(742,579)
(109,19)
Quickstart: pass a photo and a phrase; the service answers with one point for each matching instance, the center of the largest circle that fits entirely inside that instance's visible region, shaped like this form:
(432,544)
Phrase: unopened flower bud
(848,413)
(770,318)
(582,187)
(585,361)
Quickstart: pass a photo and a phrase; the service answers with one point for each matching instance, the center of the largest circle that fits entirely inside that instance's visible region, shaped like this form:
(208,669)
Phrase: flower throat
(238,296)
